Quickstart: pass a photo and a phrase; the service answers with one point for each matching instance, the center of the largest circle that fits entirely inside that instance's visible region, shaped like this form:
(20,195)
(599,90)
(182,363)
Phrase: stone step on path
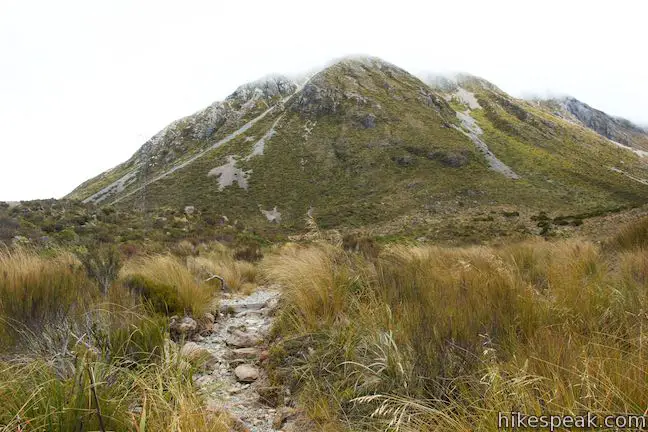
(235,381)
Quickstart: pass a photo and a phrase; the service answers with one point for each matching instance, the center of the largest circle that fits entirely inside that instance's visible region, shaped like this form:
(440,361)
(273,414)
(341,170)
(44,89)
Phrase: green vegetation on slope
(365,144)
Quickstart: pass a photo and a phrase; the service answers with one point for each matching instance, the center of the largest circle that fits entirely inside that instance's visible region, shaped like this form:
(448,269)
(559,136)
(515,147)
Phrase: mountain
(617,129)
(365,143)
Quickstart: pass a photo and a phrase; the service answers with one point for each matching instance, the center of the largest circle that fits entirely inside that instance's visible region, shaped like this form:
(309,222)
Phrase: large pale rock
(240,339)
(246,373)
(187,325)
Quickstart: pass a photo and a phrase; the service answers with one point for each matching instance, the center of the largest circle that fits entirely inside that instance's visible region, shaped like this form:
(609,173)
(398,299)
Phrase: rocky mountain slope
(616,129)
(364,142)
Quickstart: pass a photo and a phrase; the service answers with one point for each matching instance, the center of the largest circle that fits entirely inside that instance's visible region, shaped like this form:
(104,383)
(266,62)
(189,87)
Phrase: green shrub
(102,264)
(162,297)
(169,285)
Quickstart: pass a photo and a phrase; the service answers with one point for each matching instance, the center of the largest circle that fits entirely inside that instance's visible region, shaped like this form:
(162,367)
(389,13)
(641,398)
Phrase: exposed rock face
(326,92)
(174,141)
(266,88)
(316,99)
(614,128)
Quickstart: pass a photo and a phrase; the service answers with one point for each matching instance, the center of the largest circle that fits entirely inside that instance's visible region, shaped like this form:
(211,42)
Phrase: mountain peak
(361,80)
(268,87)
(450,82)
(363,142)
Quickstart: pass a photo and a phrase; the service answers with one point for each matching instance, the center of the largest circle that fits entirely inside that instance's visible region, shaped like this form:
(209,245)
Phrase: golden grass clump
(37,290)
(631,236)
(316,283)
(73,359)
(217,259)
(168,284)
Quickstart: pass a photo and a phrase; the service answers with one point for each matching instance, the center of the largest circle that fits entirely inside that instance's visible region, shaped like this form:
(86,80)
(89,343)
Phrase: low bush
(168,284)
(102,262)
(162,297)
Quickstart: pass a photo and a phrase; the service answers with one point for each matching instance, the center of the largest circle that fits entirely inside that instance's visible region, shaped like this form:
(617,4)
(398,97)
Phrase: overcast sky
(84,83)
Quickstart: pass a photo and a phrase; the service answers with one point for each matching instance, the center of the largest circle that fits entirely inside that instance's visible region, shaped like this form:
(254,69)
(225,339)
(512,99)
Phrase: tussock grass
(316,284)
(73,359)
(152,397)
(430,338)
(168,284)
(38,291)
(216,259)
(632,236)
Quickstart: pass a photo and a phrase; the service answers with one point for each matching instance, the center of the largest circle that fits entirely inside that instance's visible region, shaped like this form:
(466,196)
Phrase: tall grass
(37,292)
(74,360)
(633,235)
(316,284)
(151,397)
(218,260)
(169,284)
(429,338)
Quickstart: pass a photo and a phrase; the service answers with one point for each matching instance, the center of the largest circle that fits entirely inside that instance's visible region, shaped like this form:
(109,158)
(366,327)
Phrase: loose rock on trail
(235,381)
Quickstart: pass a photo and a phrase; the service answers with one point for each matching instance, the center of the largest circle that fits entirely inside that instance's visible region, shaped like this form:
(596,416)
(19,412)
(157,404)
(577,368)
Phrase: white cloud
(84,84)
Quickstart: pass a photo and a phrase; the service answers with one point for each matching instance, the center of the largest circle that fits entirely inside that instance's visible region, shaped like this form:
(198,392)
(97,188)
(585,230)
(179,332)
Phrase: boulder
(369,121)
(240,339)
(246,373)
(187,325)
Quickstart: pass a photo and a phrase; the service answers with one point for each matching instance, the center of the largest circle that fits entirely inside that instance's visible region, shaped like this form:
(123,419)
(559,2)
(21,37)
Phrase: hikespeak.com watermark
(589,421)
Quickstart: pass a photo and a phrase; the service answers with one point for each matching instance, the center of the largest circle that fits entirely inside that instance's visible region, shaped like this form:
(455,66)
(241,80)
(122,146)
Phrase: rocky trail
(235,380)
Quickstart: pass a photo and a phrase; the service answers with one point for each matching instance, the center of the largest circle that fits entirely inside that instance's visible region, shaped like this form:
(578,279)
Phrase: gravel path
(233,382)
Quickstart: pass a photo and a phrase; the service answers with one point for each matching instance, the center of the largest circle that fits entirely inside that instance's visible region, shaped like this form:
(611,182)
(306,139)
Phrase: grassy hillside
(364,143)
